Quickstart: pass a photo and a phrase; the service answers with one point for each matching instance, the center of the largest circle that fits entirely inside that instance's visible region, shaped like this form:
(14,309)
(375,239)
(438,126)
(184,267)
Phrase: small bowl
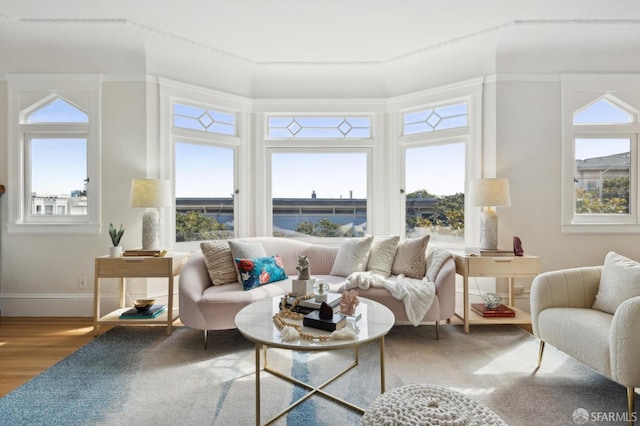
(143,304)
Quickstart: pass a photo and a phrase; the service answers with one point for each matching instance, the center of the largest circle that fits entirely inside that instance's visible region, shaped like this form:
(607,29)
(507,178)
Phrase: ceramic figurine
(303,268)
(517,247)
(326,312)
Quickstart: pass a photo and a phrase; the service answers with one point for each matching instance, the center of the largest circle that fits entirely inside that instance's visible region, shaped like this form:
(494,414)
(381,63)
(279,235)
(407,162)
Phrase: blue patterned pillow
(259,271)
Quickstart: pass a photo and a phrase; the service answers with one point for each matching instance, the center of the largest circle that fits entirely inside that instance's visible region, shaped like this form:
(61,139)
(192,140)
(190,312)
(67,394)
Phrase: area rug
(138,375)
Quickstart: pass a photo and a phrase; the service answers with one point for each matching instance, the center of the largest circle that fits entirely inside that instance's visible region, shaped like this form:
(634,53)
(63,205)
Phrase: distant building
(590,172)
(62,204)
(289,212)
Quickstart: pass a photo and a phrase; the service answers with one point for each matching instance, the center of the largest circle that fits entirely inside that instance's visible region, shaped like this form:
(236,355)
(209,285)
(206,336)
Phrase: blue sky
(204,171)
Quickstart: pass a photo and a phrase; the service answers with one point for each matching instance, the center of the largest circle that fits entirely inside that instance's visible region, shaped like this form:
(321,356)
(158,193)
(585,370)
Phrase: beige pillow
(619,281)
(352,256)
(244,250)
(383,252)
(220,264)
(410,257)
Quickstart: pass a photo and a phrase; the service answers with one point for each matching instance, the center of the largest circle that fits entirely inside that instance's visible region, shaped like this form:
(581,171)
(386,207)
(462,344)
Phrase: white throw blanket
(417,294)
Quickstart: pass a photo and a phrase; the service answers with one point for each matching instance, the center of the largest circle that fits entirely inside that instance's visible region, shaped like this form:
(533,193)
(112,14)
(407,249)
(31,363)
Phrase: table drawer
(134,267)
(503,266)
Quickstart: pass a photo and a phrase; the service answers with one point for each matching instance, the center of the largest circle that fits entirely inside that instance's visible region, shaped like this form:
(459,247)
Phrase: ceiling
(306,31)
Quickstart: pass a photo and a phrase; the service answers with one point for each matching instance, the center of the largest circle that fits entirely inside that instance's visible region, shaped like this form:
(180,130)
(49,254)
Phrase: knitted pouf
(428,405)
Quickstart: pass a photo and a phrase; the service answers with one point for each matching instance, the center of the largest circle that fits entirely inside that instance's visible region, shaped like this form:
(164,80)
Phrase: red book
(501,311)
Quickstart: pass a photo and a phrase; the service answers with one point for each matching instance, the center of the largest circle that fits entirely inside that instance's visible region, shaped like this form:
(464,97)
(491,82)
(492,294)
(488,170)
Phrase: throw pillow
(244,250)
(383,251)
(619,281)
(220,264)
(263,270)
(352,256)
(410,257)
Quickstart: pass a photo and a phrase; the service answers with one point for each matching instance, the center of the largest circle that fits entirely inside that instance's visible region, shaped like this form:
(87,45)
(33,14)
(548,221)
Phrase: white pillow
(410,257)
(383,251)
(619,281)
(220,264)
(352,256)
(244,250)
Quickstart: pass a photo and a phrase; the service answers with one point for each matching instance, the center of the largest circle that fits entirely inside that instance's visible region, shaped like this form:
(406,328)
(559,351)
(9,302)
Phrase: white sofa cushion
(410,257)
(383,251)
(620,280)
(352,256)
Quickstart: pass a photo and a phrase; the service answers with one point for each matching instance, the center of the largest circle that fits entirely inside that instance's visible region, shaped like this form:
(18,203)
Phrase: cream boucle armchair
(563,315)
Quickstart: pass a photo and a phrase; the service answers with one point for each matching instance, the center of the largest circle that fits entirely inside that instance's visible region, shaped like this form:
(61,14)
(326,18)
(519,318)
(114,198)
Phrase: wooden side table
(168,267)
(494,266)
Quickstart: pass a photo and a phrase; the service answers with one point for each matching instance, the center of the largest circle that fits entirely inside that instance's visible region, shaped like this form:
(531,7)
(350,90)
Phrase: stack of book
(310,305)
(476,251)
(152,312)
(312,319)
(501,311)
(140,252)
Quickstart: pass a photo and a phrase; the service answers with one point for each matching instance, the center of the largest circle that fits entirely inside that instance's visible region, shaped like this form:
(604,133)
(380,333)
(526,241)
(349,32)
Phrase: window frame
(171,92)
(28,93)
(471,93)
(578,93)
(266,146)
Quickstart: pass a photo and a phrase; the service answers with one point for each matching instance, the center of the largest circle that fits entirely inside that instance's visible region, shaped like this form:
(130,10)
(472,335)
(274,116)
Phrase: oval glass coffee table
(255,322)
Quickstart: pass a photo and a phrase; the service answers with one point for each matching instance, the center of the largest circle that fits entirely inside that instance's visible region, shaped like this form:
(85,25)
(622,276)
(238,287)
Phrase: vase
(115,251)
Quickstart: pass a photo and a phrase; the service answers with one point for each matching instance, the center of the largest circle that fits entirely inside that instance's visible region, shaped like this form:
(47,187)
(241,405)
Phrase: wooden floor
(28,346)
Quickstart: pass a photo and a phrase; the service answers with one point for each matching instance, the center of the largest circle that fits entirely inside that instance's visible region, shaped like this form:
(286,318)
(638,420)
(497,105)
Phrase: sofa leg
(540,352)
(437,330)
(631,394)
(206,338)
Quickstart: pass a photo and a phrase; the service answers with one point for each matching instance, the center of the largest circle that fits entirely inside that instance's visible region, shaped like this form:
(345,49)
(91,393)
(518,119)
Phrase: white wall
(39,275)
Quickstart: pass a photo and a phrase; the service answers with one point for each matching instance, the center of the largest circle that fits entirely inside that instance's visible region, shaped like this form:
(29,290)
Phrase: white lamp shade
(489,192)
(150,193)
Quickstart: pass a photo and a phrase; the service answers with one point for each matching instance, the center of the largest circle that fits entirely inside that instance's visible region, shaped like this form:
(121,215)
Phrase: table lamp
(489,193)
(152,194)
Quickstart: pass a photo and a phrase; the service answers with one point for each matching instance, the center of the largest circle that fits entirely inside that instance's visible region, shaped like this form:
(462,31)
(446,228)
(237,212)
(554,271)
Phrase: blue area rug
(139,375)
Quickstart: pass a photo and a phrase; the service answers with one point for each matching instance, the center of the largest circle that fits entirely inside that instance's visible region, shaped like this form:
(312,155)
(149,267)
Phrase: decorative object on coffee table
(428,405)
(320,289)
(325,312)
(349,302)
(303,268)
(304,283)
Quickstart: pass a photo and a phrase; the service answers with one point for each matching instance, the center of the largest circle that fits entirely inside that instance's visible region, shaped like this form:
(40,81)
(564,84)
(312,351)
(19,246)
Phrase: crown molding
(544,78)
(427,49)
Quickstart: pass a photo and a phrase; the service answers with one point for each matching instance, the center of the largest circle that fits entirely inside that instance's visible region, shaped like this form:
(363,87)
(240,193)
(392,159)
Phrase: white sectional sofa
(206,306)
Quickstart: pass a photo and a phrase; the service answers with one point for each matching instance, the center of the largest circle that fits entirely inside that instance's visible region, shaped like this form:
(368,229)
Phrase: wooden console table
(494,266)
(168,267)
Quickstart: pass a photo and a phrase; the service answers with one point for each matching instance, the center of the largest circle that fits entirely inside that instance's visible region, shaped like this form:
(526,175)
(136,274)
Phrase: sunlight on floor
(523,359)
(473,391)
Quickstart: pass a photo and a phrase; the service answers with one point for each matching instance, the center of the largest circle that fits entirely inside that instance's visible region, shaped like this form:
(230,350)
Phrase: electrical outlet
(82,283)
